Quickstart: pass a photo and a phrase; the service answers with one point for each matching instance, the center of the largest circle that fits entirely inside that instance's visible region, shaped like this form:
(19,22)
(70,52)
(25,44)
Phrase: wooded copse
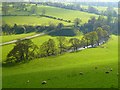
(25,50)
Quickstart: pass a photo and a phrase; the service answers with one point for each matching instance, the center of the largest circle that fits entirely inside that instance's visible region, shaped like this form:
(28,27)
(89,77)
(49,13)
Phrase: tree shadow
(10,64)
(63,32)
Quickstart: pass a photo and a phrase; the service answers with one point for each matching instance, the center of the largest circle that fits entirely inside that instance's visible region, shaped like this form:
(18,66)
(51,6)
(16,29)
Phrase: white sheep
(28,81)
(44,82)
(81,73)
(111,69)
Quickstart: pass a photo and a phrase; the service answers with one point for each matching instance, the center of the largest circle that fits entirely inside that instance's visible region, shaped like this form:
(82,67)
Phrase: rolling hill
(64,70)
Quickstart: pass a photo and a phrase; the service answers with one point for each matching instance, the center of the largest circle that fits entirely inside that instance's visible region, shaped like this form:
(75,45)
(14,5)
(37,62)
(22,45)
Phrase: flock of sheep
(81,73)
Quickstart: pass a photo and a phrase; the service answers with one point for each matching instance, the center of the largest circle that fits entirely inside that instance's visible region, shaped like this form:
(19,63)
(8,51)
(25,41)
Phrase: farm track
(28,37)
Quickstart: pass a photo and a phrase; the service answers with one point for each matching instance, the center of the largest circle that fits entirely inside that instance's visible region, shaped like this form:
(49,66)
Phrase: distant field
(63,71)
(51,11)
(30,20)
(100,8)
(66,14)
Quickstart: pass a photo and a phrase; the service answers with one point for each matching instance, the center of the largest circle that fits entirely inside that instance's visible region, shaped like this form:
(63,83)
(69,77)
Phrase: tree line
(110,24)
(20,29)
(26,50)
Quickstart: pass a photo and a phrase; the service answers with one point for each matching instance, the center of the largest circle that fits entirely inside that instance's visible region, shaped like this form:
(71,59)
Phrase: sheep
(81,73)
(28,81)
(44,82)
(107,72)
(111,69)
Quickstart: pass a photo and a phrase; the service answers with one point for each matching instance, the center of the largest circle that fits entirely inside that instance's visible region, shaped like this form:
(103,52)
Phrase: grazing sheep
(44,82)
(111,69)
(107,72)
(81,73)
(28,81)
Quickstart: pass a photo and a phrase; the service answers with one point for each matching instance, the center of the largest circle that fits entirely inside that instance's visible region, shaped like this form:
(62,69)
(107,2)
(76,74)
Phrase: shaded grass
(5,50)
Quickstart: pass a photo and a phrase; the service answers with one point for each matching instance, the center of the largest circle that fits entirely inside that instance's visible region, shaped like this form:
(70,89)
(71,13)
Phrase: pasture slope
(63,71)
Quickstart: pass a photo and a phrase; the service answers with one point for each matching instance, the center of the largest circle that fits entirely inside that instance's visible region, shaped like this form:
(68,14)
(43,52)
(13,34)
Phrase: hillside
(63,71)
(86,56)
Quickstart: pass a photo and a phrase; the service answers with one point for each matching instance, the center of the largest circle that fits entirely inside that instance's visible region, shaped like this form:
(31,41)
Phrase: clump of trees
(62,46)
(109,24)
(23,50)
(77,22)
(33,9)
(48,48)
(75,43)
(17,29)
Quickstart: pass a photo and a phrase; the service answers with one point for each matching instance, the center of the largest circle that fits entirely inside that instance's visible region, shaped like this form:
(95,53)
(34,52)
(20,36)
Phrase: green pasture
(63,71)
(65,13)
(30,20)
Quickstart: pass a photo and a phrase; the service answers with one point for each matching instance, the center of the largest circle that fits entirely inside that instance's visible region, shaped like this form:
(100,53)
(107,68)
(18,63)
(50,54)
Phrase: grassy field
(30,20)
(66,14)
(7,38)
(63,71)
(52,11)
